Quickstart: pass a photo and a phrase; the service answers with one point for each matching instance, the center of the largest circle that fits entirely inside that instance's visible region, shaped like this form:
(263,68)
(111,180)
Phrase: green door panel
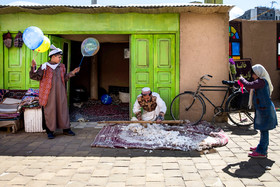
(141,66)
(17,64)
(14,67)
(164,68)
(153,65)
(1,61)
(57,41)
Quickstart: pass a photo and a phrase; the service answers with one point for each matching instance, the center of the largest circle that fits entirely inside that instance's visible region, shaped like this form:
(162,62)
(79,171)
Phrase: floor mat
(185,138)
(94,110)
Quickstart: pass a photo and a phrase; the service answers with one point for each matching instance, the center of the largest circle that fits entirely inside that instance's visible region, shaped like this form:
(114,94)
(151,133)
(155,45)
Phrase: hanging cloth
(18,42)
(7,38)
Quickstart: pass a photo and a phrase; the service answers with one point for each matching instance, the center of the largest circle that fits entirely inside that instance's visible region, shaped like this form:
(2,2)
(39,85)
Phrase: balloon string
(81,62)
(36,55)
(33,55)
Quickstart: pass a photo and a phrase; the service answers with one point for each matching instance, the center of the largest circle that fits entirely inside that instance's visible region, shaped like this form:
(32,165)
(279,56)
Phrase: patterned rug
(155,136)
(94,110)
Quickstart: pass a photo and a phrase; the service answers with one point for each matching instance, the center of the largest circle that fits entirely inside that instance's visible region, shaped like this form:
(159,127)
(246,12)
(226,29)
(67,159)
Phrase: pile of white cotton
(156,135)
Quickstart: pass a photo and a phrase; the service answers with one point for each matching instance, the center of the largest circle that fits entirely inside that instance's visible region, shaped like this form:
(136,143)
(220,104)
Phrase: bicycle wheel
(238,110)
(190,107)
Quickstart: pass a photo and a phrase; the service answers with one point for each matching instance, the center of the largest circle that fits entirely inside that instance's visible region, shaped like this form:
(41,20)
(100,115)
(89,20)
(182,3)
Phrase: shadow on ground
(237,130)
(253,168)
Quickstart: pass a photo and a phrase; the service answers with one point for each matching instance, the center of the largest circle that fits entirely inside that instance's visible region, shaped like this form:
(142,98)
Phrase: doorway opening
(102,75)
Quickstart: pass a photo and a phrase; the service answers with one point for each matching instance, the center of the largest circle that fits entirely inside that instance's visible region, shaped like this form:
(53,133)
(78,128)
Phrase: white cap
(146,90)
(54,50)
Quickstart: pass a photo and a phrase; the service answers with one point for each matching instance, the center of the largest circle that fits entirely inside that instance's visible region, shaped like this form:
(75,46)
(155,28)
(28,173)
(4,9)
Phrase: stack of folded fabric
(30,100)
(9,104)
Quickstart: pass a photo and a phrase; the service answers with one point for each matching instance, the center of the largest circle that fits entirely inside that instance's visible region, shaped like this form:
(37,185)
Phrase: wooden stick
(165,121)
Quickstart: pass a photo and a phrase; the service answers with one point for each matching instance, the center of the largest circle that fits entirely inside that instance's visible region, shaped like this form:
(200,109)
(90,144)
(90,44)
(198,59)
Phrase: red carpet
(187,137)
(94,110)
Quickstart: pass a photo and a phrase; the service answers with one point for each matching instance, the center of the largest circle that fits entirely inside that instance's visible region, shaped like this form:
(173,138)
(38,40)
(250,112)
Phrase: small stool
(15,125)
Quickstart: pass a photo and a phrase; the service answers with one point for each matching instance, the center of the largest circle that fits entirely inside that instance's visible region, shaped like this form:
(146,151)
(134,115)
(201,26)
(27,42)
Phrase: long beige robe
(56,111)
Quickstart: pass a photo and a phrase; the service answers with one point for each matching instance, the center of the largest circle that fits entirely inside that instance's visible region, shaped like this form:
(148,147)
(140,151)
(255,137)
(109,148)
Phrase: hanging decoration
(18,42)
(7,38)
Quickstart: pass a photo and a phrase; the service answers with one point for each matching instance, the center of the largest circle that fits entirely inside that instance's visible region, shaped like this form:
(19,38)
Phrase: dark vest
(265,115)
(148,106)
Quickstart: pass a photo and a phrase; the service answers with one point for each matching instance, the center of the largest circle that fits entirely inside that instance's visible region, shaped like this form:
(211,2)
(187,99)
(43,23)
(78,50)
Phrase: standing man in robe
(52,93)
(154,108)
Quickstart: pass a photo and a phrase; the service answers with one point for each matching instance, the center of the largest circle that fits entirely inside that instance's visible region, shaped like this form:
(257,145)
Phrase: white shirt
(53,66)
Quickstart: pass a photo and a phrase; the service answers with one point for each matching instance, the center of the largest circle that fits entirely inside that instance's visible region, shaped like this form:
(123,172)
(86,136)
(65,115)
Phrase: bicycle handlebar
(205,77)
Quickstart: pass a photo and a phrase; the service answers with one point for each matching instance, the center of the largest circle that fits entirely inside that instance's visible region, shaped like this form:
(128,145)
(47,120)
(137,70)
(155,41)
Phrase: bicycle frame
(200,91)
(230,96)
(214,88)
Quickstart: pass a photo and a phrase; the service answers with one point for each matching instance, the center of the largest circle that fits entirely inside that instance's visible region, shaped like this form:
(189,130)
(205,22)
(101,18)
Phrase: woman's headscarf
(261,72)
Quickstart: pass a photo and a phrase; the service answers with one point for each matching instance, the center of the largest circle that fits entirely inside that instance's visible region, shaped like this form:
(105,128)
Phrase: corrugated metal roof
(128,5)
(138,8)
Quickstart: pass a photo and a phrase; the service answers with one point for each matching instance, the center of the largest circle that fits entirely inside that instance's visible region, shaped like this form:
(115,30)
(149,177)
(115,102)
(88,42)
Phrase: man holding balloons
(52,95)
(52,76)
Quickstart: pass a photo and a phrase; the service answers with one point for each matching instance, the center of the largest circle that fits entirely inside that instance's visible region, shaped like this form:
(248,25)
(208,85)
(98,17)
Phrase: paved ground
(30,159)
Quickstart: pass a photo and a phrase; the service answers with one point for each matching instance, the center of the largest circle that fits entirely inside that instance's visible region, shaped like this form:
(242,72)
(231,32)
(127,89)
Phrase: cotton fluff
(156,134)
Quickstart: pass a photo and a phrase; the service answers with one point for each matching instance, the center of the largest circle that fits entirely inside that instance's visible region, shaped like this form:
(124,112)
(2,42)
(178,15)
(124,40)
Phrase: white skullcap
(54,50)
(146,90)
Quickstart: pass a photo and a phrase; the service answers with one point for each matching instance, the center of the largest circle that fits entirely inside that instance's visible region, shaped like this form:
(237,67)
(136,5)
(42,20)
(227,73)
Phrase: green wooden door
(14,67)
(164,68)
(141,66)
(153,65)
(17,64)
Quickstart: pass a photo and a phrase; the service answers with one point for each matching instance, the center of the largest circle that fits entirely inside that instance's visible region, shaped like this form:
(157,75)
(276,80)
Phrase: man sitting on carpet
(154,107)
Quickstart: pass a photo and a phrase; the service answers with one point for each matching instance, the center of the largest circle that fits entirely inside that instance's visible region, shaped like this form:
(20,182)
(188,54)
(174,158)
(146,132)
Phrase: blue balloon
(33,37)
(106,99)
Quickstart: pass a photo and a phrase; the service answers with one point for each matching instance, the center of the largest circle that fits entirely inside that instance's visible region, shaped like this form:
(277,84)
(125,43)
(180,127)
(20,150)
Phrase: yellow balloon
(44,46)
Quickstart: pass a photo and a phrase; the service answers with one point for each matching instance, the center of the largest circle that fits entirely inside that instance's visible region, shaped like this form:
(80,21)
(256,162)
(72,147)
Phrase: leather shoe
(50,135)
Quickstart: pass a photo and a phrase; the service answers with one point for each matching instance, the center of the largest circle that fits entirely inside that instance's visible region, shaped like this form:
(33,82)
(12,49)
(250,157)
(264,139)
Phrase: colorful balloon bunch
(34,39)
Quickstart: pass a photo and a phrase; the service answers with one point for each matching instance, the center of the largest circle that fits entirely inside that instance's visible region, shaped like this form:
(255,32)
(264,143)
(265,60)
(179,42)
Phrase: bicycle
(192,105)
